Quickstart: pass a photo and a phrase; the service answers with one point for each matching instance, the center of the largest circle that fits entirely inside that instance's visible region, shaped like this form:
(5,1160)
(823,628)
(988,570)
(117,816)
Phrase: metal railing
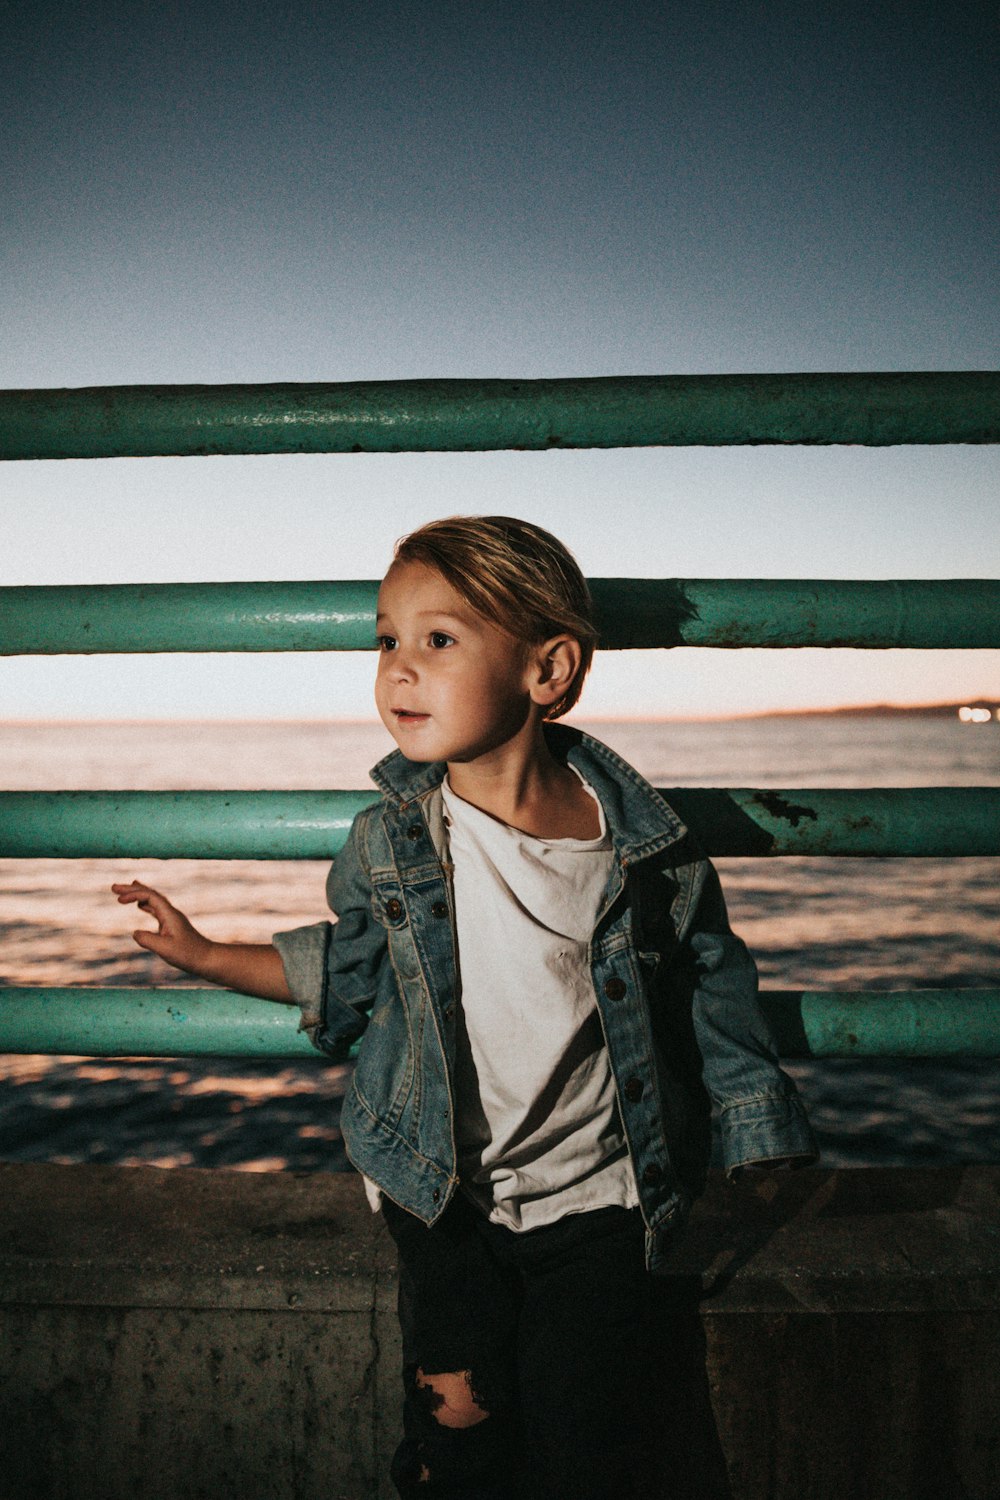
(632,614)
(396,416)
(310,616)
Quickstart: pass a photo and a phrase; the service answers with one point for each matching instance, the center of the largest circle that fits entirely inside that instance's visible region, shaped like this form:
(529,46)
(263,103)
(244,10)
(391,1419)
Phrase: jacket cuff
(768,1128)
(303,955)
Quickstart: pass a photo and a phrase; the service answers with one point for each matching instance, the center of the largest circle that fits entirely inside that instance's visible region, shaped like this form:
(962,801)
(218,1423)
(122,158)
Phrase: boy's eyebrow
(434,614)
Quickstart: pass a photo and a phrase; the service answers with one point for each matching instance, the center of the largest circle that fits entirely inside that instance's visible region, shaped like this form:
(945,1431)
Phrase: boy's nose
(401,667)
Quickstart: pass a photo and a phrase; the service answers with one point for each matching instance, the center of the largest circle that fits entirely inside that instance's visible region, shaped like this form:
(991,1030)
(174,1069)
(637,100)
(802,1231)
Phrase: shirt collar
(641,822)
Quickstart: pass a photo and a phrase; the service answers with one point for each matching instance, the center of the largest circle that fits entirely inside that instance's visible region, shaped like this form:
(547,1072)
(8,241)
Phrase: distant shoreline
(879,710)
(855,711)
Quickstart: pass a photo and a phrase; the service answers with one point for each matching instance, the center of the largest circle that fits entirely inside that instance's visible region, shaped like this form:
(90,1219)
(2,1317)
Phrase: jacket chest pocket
(389,911)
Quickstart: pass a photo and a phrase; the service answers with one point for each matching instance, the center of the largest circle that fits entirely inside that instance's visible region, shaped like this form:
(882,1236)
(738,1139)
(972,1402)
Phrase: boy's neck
(520,783)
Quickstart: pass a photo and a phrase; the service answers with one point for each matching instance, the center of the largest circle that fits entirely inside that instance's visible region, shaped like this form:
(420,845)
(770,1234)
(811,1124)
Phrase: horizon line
(652,718)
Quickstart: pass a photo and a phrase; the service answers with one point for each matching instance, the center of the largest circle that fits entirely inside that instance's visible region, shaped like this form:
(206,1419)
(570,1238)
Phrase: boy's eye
(440,639)
(385,642)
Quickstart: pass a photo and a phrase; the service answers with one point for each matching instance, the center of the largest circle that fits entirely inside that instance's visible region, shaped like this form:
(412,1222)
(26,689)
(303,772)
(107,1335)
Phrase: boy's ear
(553,667)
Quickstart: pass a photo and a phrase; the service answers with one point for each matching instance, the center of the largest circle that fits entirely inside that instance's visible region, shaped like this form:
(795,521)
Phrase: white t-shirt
(537,1124)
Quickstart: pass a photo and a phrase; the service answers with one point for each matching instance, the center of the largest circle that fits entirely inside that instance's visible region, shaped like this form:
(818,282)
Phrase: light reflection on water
(834,924)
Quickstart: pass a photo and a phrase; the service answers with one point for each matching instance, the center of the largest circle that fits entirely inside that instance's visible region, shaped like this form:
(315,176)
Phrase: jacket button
(449,1011)
(394,909)
(633,1090)
(615,988)
(439,909)
(414,832)
(652,1173)
(436,1195)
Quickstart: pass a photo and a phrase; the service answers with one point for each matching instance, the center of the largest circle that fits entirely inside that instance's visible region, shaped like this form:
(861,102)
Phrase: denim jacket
(676,993)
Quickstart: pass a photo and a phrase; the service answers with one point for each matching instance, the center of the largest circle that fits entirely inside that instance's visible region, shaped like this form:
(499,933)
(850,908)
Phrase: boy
(540,965)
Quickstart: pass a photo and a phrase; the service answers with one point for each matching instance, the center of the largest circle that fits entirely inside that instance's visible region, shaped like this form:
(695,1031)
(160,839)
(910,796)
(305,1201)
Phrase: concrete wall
(191,1334)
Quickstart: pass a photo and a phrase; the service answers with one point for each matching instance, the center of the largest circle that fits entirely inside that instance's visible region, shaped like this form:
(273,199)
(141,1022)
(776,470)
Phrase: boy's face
(451,685)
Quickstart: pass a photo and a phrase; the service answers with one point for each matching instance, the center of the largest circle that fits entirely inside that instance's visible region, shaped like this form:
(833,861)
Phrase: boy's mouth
(409,716)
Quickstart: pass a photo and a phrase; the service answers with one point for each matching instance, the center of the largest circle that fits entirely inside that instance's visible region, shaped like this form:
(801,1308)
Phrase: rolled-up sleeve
(332,968)
(303,955)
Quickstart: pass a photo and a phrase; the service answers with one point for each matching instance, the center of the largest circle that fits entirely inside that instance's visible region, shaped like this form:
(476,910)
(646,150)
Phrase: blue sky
(385,190)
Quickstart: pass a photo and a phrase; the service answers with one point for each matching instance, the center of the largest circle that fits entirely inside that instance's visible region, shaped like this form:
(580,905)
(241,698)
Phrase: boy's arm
(330,970)
(250,968)
(762,1119)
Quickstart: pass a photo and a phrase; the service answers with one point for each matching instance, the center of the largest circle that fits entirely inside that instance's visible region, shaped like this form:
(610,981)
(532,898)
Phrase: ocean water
(811,923)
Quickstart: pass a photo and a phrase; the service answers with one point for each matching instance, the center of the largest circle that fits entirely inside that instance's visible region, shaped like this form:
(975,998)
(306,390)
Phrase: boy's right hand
(175,940)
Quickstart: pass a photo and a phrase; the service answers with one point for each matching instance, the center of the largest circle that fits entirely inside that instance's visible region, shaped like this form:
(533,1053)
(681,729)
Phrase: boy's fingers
(147,900)
(133,892)
(152,940)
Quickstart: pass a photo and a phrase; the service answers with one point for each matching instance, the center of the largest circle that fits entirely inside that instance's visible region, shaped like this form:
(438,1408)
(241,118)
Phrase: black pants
(555,1328)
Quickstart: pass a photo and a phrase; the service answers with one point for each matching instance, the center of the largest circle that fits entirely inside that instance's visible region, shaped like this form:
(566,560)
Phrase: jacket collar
(640,821)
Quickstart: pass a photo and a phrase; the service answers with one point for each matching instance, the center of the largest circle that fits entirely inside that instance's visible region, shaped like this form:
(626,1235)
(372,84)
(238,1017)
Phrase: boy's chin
(419,756)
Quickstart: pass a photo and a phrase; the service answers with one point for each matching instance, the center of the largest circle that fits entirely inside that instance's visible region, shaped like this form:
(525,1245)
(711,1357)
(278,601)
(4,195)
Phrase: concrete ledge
(903,1239)
(873,1240)
(177,1334)
(105,1236)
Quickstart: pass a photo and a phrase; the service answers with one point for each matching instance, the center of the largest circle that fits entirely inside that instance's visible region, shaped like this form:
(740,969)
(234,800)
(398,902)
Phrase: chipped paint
(793,812)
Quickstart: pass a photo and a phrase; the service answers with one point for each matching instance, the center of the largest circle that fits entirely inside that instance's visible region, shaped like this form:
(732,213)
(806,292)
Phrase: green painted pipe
(631,613)
(177,825)
(874,822)
(218,1023)
(142,617)
(148,1023)
(868,822)
(393,416)
(779,612)
(873,1023)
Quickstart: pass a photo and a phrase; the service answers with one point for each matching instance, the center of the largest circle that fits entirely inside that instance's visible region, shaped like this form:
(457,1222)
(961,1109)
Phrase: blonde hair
(515,575)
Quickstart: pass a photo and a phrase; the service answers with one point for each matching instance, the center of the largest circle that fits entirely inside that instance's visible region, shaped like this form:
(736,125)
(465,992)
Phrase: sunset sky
(355,191)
